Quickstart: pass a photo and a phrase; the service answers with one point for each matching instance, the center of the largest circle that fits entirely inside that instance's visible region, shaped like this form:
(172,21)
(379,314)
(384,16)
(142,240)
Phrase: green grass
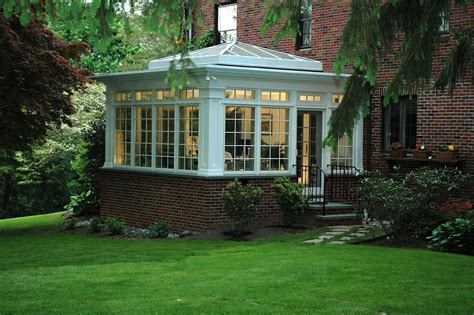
(49,272)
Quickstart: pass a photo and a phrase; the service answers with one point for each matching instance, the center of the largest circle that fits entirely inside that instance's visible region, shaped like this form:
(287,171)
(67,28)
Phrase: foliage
(454,236)
(109,59)
(453,208)
(159,229)
(373,28)
(69,223)
(290,198)
(404,206)
(240,203)
(36,81)
(97,224)
(90,157)
(114,226)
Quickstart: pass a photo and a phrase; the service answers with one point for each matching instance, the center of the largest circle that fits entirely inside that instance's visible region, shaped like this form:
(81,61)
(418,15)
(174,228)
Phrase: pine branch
(457,62)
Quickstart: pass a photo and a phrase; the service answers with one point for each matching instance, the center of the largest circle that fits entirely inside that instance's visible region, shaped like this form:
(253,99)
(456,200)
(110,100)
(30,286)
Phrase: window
(189,94)
(239,138)
(275,96)
(162,95)
(143,96)
(337,98)
(444,26)
(342,156)
(310,98)
(400,123)
(274,139)
(304,37)
(240,94)
(143,133)
(123,96)
(188,137)
(165,137)
(227,22)
(123,135)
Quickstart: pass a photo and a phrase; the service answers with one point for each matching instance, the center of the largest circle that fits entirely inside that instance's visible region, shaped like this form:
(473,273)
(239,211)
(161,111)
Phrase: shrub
(114,226)
(69,224)
(290,199)
(454,236)
(97,224)
(404,206)
(240,203)
(159,229)
(453,209)
(84,203)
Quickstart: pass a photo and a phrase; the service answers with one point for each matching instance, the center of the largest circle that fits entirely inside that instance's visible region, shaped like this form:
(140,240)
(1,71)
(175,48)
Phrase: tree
(371,31)
(373,28)
(36,81)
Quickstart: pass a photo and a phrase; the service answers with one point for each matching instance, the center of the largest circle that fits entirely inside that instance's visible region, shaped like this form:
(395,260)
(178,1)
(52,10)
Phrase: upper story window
(310,98)
(304,37)
(226,21)
(400,123)
(444,26)
(275,96)
(188,94)
(123,96)
(337,98)
(240,94)
(141,96)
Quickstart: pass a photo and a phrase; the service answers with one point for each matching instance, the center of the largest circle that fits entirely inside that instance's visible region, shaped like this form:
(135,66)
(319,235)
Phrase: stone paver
(342,227)
(345,238)
(325,237)
(357,234)
(316,241)
(336,242)
(334,233)
(341,230)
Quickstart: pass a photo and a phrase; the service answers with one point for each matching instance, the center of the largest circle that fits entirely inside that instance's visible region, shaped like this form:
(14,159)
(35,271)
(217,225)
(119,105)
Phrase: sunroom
(248,111)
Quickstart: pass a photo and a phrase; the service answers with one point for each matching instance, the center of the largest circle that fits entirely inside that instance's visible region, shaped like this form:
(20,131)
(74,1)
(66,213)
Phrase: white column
(109,129)
(211,133)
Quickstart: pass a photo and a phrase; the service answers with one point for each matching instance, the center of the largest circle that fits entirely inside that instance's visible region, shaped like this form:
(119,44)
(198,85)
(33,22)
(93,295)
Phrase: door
(308,143)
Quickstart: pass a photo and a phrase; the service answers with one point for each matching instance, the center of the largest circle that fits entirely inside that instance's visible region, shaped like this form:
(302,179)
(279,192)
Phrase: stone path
(337,232)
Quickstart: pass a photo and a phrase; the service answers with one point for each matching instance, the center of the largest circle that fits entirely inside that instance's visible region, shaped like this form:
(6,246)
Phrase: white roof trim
(242,55)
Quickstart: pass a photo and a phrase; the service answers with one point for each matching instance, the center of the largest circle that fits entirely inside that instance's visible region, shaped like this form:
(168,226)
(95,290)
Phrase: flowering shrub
(453,209)
(420,147)
(448,148)
(396,146)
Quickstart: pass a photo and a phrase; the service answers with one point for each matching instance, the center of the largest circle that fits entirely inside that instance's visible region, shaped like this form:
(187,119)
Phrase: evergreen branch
(457,62)
(355,102)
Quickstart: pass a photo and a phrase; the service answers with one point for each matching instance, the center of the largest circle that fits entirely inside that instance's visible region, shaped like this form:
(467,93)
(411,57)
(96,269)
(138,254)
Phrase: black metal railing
(343,185)
(314,180)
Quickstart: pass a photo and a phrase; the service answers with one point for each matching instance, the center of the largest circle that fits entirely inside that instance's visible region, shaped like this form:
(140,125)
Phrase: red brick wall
(185,202)
(440,119)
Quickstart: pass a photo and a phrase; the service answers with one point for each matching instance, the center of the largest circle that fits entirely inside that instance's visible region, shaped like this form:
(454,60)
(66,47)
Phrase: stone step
(342,216)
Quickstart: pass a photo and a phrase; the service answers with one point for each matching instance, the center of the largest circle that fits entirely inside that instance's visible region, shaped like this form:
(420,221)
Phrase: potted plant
(421,151)
(396,150)
(447,152)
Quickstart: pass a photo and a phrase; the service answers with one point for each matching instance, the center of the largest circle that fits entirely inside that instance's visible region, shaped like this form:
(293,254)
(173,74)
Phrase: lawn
(44,271)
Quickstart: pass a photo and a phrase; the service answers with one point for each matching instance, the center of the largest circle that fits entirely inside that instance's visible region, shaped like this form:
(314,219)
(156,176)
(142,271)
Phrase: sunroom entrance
(308,143)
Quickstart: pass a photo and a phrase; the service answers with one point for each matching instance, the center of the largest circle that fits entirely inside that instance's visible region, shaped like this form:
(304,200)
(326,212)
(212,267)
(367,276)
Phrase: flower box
(448,155)
(398,154)
(421,154)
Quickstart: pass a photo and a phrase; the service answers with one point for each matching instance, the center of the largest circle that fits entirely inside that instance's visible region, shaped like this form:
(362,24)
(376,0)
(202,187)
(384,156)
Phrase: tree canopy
(36,81)
(372,29)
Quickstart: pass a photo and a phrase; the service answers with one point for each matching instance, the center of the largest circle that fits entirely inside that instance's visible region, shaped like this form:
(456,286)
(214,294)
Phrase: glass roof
(242,55)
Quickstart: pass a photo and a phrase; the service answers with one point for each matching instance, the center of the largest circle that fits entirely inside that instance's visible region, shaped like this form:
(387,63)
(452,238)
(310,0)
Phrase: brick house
(258,110)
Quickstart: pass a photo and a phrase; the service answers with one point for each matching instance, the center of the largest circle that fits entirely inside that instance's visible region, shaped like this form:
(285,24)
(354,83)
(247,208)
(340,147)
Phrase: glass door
(308,143)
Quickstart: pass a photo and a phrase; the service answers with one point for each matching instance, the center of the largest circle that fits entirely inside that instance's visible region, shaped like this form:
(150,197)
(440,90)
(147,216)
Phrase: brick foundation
(189,202)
